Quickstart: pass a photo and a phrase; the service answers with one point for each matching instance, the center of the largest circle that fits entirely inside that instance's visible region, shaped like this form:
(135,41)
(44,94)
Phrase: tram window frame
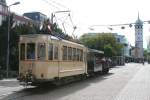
(69,53)
(78,54)
(41,51)
(50,51)
(30,56)
(22,53)
(56,52)
(81,56)
(64,55)
(74,54)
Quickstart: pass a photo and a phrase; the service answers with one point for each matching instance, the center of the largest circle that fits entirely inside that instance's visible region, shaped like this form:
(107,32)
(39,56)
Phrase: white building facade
(139,37)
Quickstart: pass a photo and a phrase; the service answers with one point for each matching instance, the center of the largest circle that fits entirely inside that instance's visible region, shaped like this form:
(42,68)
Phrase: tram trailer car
(96,62)
(45,58)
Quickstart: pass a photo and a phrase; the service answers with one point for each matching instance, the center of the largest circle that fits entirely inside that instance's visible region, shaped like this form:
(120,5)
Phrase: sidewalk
(11,79)
(139,87)
(9,82)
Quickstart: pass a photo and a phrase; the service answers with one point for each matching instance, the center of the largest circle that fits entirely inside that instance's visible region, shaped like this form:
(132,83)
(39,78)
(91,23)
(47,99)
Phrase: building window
(118,39)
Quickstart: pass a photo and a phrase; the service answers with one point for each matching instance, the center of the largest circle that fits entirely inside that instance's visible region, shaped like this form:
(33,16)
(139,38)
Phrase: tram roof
(50,37)
(96,51)
(37,35)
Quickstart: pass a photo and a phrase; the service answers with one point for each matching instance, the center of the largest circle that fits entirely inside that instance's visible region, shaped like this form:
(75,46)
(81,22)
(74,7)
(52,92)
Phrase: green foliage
(13,45)
(22,29)
(146,53)
(109,51)
(102,41)
(3,48)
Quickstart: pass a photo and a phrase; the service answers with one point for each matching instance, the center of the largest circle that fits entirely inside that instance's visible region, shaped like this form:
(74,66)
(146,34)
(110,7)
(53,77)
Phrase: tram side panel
(94,62)
(71,62)
(45,68)
(40,67)
(53,59)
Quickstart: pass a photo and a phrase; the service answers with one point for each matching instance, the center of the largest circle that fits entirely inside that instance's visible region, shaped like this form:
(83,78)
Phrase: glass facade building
(36,16)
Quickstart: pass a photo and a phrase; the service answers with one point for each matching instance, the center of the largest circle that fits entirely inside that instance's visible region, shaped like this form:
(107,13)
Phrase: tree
(13,44)
(146,53)
(102,41)
(22,29)
(109,51)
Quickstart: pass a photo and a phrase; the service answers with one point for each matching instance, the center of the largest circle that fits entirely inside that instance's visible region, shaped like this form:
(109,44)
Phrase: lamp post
(8,37)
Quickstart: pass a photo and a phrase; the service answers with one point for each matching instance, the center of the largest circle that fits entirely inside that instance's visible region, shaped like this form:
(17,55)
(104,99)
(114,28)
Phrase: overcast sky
(86,13)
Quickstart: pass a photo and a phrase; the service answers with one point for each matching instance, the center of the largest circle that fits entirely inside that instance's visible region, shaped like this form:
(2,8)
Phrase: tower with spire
(139,37)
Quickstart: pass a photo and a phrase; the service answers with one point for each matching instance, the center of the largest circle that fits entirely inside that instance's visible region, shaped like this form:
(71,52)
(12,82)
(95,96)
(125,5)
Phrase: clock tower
(139,37)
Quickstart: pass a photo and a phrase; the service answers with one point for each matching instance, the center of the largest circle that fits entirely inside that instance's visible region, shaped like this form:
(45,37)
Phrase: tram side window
(64,52)
(78,54)
(22,51)
(69,53)
(56,52)
(74,54)
(41,51)
(50,52)
(81,56)
(30,51)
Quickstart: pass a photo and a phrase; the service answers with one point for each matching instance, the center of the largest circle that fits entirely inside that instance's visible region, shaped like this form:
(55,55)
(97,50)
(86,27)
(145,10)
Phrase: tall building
(148,44)
(139,37)
(36,16)
(125,51)
(3,10)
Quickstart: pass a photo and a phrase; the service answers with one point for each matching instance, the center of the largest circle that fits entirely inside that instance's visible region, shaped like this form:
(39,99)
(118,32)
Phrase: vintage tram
(45,58)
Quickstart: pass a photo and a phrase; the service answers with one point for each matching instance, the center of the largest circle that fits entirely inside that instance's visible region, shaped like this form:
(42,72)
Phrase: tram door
(53,60)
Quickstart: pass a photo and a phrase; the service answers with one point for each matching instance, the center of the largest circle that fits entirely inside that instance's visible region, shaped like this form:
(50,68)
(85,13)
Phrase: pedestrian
(143,62)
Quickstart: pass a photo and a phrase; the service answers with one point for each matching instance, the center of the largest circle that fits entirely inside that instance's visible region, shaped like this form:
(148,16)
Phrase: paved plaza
(129,82)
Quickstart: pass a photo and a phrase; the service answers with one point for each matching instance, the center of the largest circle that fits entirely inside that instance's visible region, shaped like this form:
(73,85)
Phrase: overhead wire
(59,4)
(50,4)
(55,4)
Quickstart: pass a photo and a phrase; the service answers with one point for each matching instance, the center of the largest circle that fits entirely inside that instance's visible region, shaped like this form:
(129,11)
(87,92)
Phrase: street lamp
(8,36)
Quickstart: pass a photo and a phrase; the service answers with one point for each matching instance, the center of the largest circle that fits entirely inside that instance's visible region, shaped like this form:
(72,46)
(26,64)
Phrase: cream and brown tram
(45,58)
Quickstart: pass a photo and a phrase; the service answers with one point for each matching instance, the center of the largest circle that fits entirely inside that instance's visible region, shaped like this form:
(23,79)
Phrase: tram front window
(41,51)
(30,51)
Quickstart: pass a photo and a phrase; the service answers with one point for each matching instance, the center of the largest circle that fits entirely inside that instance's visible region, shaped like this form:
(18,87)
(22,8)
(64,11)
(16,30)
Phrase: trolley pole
(8,39)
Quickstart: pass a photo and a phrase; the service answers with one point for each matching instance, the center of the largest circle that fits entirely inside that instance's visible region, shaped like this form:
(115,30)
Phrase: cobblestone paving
(130,82)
